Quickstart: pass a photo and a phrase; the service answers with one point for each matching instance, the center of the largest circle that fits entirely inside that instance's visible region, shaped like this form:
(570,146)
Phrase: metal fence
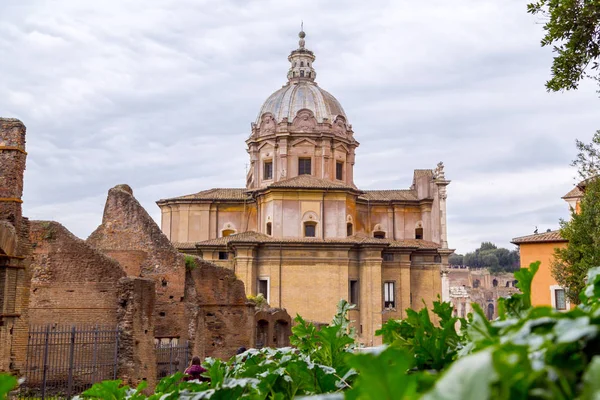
(64,361)
(171,357)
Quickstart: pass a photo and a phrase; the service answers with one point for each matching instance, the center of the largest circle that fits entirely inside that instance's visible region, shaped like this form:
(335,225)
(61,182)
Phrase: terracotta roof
(215,194)
(575,192)
(255,237)
(388,195)
(310,182)
(552,236)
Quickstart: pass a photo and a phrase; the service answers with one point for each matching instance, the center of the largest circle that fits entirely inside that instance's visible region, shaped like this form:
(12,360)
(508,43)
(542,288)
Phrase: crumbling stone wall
(220,317)
(137,356)
(273,327)
(206,305)
(72,282)
(129,235)
(15,249)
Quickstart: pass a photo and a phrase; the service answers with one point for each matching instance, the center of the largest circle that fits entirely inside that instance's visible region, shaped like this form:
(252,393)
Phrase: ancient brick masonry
(206,305)
(72,282)
(14,247)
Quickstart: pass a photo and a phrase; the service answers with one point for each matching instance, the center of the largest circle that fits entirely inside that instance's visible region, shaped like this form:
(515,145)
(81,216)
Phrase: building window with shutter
(558,298)
(389,295)
(339,170)
(304,166)
(268,170)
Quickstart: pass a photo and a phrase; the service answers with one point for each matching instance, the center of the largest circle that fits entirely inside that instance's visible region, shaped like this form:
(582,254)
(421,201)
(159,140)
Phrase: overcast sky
(160,95)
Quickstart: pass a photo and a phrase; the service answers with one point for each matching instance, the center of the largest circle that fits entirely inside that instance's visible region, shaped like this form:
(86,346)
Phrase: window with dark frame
(379,235)
(388,257)
(339,170)
(419,233)
(353,291)
(304,166)
(559,299)
(389,295)
(349,230)
(263,288)
(268,170)
(310,229)
(269,228)
(223,255)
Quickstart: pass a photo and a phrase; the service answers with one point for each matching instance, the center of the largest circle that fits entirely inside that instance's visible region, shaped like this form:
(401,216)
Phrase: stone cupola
(301,129)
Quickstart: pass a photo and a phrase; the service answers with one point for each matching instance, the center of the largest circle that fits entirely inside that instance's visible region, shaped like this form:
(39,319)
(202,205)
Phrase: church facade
(301,233)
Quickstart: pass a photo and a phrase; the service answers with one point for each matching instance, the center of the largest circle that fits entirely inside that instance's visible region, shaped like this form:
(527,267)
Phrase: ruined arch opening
(262,333)
(281,334)
(490,312)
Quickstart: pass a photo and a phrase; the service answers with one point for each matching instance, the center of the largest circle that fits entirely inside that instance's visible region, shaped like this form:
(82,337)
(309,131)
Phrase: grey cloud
(154,93)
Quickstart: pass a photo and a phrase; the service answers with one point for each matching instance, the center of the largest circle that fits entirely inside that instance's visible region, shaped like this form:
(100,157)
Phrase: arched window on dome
(302,63)
(293,74)
(308,64)
(301,74)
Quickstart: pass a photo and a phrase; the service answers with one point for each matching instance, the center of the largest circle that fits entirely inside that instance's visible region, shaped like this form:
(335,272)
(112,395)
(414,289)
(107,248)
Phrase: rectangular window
(388,257)
(339,170)
(263,288)
(560,299)
(304,166)
(389,295)
(223,255)
(353,292)
(268,170)
(310,229)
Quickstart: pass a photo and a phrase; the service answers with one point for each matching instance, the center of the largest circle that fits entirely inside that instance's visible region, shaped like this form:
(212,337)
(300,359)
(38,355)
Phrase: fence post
(45,362)
(170,358)
(95,356)
(116,357)
(71,355)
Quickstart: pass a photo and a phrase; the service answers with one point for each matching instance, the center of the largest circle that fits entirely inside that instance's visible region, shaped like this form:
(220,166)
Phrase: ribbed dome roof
(295,96)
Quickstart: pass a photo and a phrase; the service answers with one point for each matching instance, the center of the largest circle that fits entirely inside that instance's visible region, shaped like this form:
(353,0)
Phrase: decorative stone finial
(301,35)
(439,171)
(301,61)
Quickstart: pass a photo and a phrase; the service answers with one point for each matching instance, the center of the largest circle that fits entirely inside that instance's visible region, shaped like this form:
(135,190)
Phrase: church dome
(295,96)
(301,91)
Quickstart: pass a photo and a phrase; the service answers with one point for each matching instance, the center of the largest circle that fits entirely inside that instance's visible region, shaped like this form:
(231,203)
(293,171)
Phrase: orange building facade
(545,291)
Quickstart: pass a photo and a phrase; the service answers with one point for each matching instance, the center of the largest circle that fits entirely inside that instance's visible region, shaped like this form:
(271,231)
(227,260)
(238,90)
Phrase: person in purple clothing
(195,370)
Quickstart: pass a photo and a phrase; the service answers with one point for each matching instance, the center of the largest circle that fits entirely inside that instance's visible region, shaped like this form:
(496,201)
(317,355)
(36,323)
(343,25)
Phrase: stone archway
(282,333)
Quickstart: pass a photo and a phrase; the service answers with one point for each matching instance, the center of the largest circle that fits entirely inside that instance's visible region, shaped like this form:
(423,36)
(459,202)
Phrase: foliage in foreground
(527,353)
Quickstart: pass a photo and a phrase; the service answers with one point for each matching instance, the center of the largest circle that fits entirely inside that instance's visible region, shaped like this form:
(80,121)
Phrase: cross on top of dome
(301,61)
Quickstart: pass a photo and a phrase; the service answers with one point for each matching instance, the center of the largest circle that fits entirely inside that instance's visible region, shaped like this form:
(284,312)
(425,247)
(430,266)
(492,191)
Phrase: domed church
(301,232)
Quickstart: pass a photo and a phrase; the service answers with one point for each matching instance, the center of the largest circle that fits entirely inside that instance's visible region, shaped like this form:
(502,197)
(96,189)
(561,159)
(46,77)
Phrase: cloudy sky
(160,95)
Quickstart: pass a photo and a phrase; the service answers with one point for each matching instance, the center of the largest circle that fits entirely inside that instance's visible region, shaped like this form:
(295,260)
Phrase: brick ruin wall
(130,236)
(72,283)
(221,319)
(206,305)
(15,248)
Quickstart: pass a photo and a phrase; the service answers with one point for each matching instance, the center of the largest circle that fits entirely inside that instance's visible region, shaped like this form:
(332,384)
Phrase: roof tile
(552,236)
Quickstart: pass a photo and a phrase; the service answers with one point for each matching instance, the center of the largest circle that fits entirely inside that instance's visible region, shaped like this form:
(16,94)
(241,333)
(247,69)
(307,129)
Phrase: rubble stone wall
(72,282)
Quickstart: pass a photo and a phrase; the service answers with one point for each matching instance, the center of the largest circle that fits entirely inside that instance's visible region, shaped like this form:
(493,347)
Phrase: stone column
(370,297)
(442,182)
(445,286)
(245,267)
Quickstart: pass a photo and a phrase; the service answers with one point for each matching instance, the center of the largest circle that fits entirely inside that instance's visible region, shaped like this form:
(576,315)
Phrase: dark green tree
(488,255)
(456,259)
(572,28)
(572,263)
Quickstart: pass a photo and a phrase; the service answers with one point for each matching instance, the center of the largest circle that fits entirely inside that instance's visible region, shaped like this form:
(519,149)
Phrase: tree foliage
(582,252)
(488,255)
(572,28)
